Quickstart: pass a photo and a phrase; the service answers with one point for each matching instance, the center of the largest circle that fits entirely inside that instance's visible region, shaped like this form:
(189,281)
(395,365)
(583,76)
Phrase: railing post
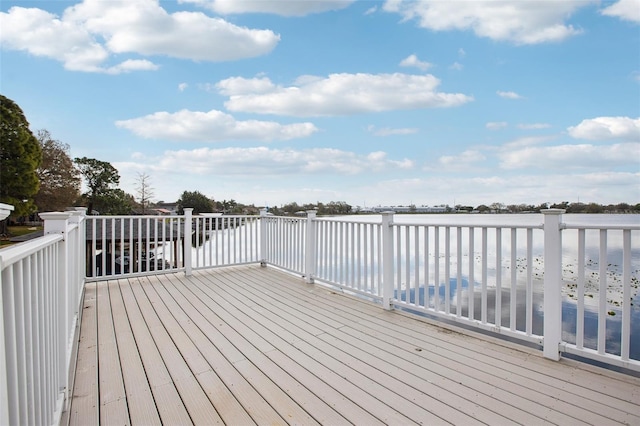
(310,249)
(78,217)
(552,329)
(263,238)
(188,241)
(58,223)
(387,259)
(5,210)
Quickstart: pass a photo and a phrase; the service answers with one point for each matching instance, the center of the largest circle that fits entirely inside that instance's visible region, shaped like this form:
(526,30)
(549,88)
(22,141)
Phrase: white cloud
(339,94)
(600,128)
(90,33)
(508,95)
(132,65)
(212,126)
(465,159)
(496,125)
(627,10)
(276,7)
(517,21)
(263,161)
(413,61)
(456,66)
(182,87)
(386,131)
(43,34)
(533,126)
(566,157)
(371,10)
(462,53)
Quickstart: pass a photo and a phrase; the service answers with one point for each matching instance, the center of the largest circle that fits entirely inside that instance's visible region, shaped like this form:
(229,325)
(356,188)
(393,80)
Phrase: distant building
(165,209)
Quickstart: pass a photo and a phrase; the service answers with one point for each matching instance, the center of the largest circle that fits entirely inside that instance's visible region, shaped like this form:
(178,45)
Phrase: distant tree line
(565,205)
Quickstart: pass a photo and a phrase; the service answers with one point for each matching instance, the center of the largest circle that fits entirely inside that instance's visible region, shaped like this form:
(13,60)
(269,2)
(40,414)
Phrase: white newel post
(58,223)
(80,257)
(552,283)
(387,259)
(310,249)
(263,238)
(188,240)
(5,210)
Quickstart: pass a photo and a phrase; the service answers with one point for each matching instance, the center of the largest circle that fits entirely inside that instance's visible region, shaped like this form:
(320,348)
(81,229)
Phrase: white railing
(510,279)
(134,245)
(41,290)
(606,263)
(473,274)
(284,242)
(225,240)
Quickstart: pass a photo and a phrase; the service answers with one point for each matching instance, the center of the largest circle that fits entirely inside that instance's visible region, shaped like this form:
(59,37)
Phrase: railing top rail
(471,225)
(398,223)
(13,254)
(613,227)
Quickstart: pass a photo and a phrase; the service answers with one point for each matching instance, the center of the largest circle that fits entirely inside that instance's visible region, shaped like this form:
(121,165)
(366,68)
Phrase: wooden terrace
(249,345)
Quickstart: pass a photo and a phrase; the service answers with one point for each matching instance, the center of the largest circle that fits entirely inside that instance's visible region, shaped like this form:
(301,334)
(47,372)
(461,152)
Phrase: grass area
(16,231)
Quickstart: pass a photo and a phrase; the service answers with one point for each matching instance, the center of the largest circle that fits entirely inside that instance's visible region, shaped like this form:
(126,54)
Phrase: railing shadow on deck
(493,277)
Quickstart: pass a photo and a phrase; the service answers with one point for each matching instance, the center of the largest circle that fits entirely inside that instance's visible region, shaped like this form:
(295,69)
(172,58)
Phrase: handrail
(452,271)
(41,285)
(12,254)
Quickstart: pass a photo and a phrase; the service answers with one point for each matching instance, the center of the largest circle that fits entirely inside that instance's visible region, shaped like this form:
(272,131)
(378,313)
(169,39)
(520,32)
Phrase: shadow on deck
(250,345)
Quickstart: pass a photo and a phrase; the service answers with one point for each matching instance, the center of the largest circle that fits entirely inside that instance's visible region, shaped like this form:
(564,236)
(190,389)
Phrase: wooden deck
(250,345)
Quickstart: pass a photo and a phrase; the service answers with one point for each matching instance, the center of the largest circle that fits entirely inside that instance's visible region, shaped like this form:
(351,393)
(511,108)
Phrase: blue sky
(369,102)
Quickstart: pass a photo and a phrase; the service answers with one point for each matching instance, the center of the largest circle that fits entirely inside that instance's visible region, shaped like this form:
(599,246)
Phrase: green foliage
(112,202)
(59,178)
(100,178)
(20,156)
(196,200)
(332,208)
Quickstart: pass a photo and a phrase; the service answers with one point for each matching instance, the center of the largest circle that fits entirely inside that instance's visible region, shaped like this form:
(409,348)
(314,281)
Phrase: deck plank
(142,407)
(113,400)
(171,410)
(227,406)
(85,401)
(284,386)
(200,409)
(247,345)
(254,403)
(540,387)
(387,388)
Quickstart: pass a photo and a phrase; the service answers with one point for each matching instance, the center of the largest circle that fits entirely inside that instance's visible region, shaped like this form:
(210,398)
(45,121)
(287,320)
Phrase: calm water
(613,261)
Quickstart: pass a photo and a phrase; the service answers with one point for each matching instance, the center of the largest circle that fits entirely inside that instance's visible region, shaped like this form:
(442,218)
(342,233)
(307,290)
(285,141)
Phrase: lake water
(613,262)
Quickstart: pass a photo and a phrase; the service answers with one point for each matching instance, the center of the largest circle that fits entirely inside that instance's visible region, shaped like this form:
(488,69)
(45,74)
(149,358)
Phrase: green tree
(20,156)
(59,177)
(115,202)
(99,176)
(196,200)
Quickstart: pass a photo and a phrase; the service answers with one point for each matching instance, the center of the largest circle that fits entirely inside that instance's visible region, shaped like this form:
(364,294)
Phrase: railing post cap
(5,210)
(188,209)
(55,215)
(388,213)
(82,210)
(553,211)
(311,212)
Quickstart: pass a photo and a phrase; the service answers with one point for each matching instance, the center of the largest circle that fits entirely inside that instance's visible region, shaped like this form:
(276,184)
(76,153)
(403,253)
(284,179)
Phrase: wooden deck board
(142,407)
(249,345)
(113,401)
(85,401)
(552,388)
